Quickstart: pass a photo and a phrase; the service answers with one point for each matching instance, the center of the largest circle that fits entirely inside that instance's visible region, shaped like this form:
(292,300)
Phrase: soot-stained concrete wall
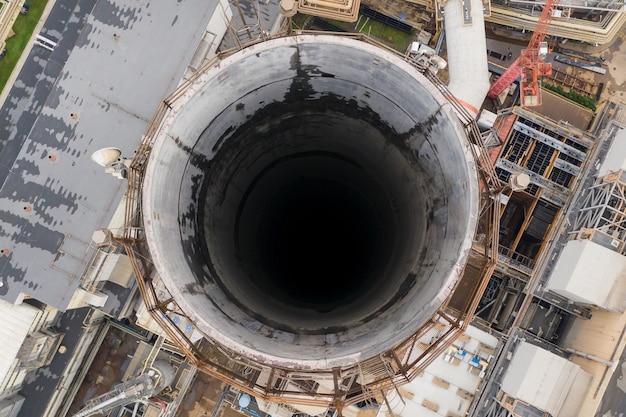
(310,201)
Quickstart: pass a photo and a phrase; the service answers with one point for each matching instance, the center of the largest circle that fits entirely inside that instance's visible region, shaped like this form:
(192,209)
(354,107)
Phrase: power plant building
(592,22)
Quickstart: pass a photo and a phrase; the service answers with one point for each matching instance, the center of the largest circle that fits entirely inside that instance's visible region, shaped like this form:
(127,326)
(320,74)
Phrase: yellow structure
(9,9)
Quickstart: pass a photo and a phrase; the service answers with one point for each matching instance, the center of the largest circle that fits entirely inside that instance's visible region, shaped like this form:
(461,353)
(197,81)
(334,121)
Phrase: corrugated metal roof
(589,273)
(16,322)
(543,379)
(616,156)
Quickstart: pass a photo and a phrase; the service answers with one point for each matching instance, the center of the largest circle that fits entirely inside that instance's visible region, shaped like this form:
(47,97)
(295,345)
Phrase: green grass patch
(386,34)
(581,99)
(300,20)
(391,37)
(23,28)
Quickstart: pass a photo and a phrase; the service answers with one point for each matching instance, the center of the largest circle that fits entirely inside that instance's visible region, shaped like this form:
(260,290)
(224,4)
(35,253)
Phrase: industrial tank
(310,201)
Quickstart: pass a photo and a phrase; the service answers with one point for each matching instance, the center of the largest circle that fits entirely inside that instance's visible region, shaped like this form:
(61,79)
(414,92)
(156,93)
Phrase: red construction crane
(529,64)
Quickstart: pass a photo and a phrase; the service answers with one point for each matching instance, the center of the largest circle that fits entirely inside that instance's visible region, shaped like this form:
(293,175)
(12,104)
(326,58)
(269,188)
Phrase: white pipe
(100,406)
(591,357)
(467,53)
(135,409)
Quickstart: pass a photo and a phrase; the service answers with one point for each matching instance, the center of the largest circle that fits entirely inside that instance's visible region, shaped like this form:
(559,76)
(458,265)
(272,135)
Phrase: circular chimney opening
(320,233)
(303,212)
(310,201)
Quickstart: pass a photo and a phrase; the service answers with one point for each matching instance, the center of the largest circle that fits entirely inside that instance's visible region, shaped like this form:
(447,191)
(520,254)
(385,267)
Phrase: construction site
(333,208)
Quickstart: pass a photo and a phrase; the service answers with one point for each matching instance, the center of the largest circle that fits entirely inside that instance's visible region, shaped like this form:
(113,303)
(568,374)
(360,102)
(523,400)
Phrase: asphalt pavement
(613,402)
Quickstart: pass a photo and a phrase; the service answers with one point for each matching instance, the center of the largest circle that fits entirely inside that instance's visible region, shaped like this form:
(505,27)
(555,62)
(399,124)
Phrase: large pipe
(606,362)
(467,52)
(310,201)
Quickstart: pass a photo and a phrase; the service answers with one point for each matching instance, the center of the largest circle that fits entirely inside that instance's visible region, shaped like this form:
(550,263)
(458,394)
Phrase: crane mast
(529,65)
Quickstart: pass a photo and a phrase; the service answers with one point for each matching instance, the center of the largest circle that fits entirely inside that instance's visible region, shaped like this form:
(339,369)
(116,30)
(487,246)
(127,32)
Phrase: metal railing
(515,259)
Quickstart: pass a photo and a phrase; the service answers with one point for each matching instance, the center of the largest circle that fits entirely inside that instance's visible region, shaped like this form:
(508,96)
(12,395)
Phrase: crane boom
(530,64)
(506,79)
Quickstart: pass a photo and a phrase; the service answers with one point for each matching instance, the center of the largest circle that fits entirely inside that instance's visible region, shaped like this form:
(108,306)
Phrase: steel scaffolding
(336,387)
(602,216)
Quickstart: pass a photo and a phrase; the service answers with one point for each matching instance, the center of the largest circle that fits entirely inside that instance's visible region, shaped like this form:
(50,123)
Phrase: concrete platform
(603,337)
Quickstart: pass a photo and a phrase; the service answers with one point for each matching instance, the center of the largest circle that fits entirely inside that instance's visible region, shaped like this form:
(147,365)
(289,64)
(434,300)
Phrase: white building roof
(616,155)
(449,383)
(545,380)
(17,320)
(592,274)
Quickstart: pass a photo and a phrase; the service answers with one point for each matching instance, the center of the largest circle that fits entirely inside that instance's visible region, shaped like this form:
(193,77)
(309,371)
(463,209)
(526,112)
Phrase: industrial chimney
(310,201)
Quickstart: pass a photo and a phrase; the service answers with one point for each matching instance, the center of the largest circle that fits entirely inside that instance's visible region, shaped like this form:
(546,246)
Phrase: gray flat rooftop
(113,64)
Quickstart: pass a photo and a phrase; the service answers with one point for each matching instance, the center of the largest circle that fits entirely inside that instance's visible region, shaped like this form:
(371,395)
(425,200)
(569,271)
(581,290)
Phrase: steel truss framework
(496,410)
(604,211)
(337,387)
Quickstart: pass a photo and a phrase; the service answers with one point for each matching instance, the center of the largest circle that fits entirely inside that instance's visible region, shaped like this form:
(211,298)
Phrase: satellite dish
(106,156)
(112,161)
